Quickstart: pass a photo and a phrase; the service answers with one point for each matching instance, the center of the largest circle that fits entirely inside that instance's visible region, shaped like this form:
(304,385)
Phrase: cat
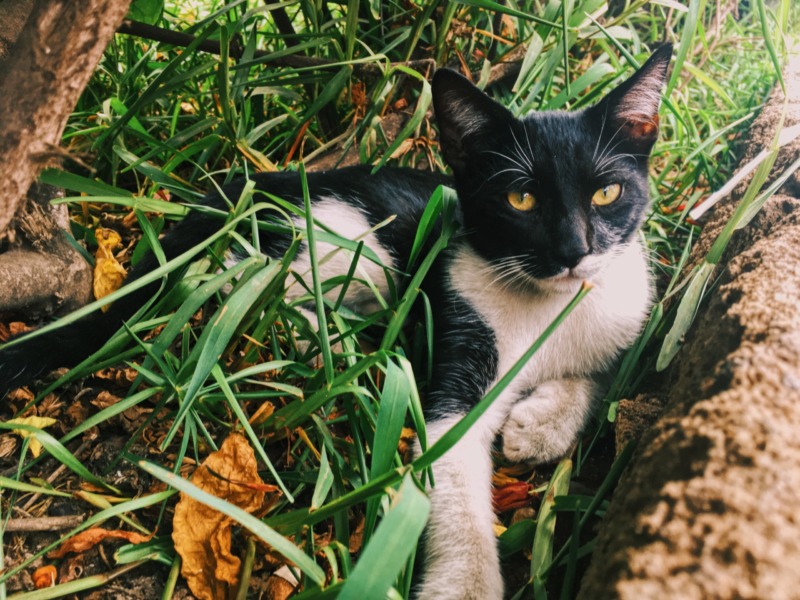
(546,202)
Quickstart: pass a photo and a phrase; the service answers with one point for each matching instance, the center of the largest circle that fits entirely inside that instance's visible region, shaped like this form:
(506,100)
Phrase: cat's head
(550,197)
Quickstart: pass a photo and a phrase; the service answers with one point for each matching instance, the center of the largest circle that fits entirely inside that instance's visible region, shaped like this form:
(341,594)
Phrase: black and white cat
(547,202)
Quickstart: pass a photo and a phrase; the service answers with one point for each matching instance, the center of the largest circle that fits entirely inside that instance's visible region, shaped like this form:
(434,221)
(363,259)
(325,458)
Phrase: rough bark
(40,83)
(708,508)
(13,15)
(42,273)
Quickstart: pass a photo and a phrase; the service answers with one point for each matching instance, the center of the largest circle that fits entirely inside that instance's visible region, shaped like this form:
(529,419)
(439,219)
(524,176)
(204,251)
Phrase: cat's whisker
(600,137)
(520,152)
(606,151)
(522,167)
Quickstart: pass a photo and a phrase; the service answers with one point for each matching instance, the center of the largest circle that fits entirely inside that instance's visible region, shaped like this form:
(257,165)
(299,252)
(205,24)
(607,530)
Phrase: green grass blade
(57,450)
(542,552)
(394,539)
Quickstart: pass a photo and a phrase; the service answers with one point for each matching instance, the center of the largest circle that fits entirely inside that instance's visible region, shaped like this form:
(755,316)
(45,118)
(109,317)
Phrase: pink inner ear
(645,129)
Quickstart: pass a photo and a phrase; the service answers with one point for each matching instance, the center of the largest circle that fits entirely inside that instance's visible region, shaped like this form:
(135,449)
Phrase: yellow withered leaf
(108,273)
(202,535)
(39,422)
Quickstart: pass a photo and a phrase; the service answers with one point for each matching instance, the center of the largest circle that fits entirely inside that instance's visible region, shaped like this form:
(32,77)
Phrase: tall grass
(159,125)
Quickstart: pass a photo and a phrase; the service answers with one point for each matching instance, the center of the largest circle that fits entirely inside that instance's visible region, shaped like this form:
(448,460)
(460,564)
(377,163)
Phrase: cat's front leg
(461,561)
(546,424)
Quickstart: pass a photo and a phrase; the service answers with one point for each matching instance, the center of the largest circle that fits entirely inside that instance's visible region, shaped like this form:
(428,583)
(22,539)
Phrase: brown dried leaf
(201,534)
(105,399)
(45,577)
(404,148)
(8,445)
(22,394)
(91,537)
(511,496)
(262,413)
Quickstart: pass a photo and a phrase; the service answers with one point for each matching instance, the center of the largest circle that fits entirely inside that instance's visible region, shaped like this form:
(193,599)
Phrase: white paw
(481,582)
(537,428)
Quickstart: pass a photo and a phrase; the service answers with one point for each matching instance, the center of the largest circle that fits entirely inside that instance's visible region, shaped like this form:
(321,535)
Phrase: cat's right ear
(464,114)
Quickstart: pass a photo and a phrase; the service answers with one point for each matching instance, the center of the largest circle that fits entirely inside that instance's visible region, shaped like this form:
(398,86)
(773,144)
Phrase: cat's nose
(572,255)
(573,260)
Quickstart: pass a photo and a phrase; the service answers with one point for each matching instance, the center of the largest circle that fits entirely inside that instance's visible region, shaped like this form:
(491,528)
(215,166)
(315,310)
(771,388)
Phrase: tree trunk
(49,50)
(40,82)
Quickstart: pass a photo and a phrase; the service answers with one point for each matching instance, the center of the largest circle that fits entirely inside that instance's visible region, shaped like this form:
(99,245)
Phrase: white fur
(545,425)
(461,561)
(542,424)
(349,223)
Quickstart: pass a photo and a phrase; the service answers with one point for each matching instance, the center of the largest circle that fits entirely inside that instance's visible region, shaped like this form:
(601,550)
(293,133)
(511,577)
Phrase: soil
(708,507)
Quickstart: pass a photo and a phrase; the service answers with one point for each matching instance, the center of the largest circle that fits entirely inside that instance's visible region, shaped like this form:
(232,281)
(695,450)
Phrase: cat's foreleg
(461,561)
(546,424)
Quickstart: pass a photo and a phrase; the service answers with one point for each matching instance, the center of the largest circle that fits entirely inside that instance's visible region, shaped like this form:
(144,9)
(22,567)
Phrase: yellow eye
(521,201)
(606,195)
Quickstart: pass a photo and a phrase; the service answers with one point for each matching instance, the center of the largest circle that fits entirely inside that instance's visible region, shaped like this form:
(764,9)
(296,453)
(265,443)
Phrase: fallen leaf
(262,413)
(88,539)
(45,577)
(202,535)
(40,422)
(404,148)
(108,273)
(8,445)
(105,399)
(22,394)
(512,495)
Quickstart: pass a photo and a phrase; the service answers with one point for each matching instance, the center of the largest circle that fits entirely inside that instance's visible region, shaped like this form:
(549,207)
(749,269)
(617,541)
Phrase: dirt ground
(709,506)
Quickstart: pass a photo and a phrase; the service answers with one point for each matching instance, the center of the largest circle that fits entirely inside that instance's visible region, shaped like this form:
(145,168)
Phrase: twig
(44,523)
(177,38)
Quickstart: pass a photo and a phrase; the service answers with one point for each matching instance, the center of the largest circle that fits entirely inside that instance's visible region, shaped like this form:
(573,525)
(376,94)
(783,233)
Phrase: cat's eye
(522,201)
(606,194)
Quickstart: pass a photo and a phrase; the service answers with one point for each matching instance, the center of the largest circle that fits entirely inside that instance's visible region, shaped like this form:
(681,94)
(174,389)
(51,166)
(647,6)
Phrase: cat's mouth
(569,280)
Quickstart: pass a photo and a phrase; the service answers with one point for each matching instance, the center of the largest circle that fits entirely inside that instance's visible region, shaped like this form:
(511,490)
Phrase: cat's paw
(537,429)
(480,582)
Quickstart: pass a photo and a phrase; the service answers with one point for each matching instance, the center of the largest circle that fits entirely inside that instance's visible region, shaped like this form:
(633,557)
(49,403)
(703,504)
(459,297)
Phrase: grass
(159,125)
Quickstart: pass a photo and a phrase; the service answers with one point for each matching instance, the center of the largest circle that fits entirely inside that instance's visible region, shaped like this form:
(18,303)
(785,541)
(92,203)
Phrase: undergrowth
(308,85)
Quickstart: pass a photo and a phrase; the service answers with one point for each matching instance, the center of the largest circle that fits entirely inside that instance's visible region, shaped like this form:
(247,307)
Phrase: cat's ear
(633,106)
(464,113)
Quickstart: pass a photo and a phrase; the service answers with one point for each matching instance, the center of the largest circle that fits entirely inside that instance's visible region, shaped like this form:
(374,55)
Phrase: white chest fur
(605,322)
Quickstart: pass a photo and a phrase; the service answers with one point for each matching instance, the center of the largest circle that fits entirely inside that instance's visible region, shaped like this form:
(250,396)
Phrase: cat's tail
(29,356)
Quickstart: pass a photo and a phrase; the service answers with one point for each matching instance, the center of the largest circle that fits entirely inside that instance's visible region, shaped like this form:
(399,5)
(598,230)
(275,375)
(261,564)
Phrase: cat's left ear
(633,106)
(465,116)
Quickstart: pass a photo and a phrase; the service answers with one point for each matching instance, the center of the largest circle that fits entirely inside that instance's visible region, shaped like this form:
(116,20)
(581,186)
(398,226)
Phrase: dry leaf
(22,394)
(105,399)
(108,273)
(40,422)
(8,445)
(201,534)
(262,413)
(91,537)
(404,148)
(45,577)
(512,495)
